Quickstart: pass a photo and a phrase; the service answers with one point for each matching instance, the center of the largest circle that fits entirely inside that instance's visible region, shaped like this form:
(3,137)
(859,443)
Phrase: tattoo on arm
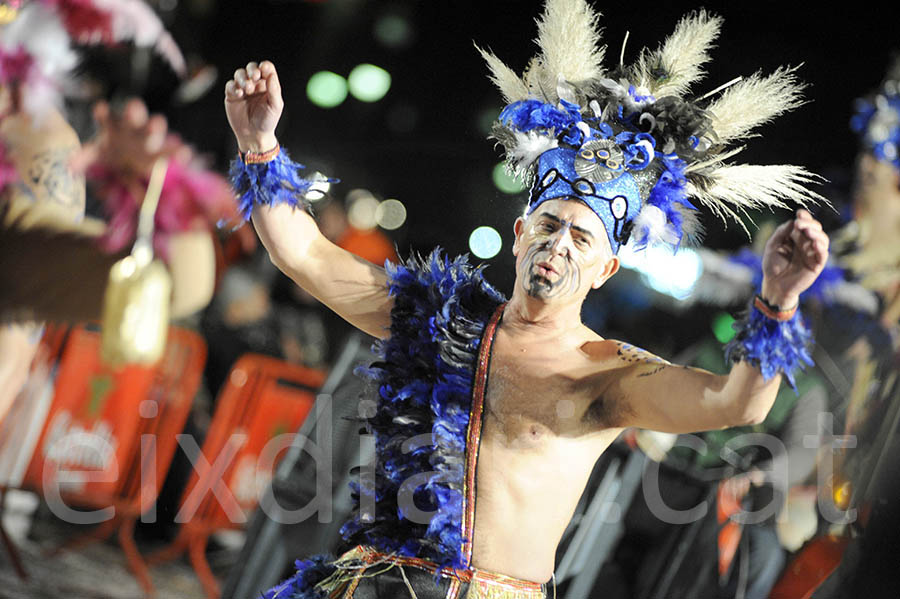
(49,174)
(654,370)
(647,363)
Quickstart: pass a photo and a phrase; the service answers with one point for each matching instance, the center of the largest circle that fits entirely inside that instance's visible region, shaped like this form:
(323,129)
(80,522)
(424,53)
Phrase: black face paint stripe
(538,286)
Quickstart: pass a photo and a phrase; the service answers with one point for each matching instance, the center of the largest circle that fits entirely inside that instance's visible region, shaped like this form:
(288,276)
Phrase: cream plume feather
(569,40)
(511,86)
(680,58)
(755,101)
(732,190)
(569,46)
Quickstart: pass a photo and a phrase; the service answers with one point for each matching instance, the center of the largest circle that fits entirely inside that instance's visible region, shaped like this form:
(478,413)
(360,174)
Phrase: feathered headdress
(877,118)
(634,143)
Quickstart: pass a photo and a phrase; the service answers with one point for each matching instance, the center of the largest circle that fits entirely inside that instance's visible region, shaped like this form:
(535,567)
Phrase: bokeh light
(672,274)
(505,182)
(722,329)
(368,82)
(486,119)
(393,31)
(326,89)
(319,187)
(362,207)
(485,242)
(391,214)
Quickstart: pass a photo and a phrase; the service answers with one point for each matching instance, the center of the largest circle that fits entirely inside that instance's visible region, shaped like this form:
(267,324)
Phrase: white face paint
(561,248)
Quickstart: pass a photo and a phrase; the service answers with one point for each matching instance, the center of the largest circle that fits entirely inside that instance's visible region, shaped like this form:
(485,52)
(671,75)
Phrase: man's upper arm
(654,394)
(352,287)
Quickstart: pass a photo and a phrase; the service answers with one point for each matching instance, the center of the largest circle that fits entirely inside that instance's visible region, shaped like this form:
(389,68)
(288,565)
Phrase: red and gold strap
(261,157)
(473,438)
(773,312)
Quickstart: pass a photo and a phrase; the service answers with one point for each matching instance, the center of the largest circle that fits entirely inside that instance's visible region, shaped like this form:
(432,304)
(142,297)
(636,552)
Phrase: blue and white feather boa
(772,346)
(425,374)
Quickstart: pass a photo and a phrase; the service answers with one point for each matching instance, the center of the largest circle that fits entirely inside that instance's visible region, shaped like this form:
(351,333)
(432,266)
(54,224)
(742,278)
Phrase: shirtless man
(557,393)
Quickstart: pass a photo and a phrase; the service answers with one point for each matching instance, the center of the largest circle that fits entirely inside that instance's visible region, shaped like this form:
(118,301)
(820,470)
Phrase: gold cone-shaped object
(136,304)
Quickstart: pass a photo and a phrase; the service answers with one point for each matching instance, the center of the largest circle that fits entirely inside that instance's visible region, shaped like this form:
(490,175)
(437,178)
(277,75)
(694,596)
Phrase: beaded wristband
(773,312)
(771,344)
(270,178)
(260,157)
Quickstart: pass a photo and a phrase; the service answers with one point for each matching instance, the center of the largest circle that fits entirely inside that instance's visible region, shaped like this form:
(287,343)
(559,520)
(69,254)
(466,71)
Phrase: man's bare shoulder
(612,352)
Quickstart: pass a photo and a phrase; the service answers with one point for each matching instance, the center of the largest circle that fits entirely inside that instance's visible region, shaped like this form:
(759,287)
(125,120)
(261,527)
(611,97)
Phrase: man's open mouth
(545,269)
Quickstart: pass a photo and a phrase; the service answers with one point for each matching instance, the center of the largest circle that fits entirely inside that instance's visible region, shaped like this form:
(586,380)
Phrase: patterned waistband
(488,583)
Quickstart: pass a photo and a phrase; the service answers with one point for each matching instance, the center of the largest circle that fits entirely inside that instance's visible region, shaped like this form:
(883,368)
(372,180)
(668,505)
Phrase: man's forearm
(749,395)
(288,235)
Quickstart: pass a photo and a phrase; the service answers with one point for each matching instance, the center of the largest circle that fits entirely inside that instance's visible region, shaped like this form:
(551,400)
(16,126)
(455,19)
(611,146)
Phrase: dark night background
(423,143)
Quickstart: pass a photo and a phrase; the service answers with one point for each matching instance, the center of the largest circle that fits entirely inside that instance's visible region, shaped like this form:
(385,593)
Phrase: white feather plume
(754,101)
(681,57)
(510,85)
(737,189)
(569,43)
(652,227)
(527,149)
(569,39)
(40,33)
(135,21)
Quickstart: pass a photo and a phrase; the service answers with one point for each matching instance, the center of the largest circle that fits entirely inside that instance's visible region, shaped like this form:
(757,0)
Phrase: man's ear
(518,227)
(611,268)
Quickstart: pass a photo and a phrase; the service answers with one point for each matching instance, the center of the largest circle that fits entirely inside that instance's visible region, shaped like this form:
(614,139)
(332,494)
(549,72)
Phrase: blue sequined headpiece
(608,163)
(614,197)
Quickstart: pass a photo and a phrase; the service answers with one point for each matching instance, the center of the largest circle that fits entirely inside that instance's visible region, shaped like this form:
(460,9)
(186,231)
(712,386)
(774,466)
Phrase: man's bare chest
(532,397)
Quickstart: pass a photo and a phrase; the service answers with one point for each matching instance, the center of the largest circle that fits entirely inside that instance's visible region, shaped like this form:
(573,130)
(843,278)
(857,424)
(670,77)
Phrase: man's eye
(545,227)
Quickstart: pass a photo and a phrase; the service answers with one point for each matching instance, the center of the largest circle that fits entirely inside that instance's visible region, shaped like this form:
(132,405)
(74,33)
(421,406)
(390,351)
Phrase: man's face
(562,251)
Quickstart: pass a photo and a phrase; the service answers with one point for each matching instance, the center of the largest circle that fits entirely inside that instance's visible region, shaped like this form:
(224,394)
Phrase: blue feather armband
(277,181)
(771,345)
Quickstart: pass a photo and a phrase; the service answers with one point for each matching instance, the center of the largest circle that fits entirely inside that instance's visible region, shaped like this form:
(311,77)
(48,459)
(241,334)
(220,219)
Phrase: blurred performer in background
(523,389)
(856,308)
(872,243)
(57,262)
(868,248)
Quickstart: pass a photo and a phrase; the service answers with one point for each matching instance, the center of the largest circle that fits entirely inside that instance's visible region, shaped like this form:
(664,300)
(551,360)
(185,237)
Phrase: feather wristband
(773,346)
(272,182)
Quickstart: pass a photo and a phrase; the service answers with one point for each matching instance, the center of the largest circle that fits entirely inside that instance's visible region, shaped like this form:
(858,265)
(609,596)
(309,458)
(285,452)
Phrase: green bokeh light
(393,31)
(722,329)
(369,83)
(326,89)
(505,182)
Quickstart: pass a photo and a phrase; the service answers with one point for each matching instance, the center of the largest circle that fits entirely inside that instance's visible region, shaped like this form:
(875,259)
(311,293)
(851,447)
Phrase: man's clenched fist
(253,105)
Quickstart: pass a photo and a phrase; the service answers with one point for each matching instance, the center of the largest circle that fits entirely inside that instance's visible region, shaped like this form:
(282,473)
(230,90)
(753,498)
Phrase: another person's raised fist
(253,105)
(128,141)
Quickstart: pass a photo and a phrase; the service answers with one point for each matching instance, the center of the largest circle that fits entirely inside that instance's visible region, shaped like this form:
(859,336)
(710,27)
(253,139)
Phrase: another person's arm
(353,288)
(654,394)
